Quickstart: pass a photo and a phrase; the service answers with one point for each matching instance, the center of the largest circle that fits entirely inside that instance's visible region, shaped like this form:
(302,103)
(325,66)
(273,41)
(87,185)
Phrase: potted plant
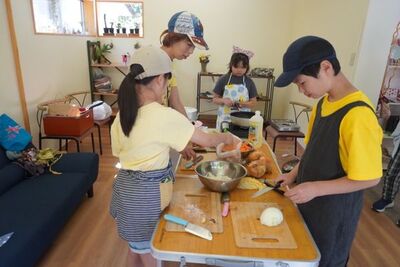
(136,28)
(118,27)
(111,29)
(105,29)
(99,50)
(123,30)
(137,45)
(204,59)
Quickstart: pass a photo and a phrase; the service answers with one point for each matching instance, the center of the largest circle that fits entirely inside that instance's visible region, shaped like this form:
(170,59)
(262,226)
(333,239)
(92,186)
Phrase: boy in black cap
(343,152)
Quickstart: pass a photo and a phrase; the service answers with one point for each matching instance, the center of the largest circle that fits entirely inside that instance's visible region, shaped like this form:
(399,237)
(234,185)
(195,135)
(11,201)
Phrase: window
(119,18)
(64,16)
(80,17)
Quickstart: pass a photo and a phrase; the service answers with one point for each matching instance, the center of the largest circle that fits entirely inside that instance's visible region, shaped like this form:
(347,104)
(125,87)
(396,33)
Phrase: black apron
(332,219)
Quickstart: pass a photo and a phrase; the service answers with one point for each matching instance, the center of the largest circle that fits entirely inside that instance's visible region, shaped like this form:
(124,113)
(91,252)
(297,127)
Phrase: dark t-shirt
(223,80)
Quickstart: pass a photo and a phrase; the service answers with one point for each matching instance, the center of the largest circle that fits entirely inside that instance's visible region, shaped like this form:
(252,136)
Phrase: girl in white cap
(142,134)
(184,33)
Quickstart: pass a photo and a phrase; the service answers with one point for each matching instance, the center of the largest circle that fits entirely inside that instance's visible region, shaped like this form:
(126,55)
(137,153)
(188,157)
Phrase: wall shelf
(123,69)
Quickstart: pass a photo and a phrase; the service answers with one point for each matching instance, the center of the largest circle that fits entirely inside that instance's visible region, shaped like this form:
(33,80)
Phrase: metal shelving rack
(267,99)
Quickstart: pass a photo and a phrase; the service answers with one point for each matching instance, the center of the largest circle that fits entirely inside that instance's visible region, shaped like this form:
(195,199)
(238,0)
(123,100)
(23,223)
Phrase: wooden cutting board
(250,233)
(194,203)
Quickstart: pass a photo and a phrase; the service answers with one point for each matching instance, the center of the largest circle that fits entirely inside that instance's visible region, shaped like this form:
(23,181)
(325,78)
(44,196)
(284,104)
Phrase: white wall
(320,18)
(382,19)
(54,66)
(259,26)
(9,89)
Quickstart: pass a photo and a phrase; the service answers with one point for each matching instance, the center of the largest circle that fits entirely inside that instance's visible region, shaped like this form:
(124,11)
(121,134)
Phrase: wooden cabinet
(106,66)
(266,93)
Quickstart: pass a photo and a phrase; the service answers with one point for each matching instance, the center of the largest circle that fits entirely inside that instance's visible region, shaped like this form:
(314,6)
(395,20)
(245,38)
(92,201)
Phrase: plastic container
(256,124)
(191,113)
(232,154)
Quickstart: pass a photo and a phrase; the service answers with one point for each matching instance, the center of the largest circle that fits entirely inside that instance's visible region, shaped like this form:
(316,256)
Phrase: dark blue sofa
(37,208)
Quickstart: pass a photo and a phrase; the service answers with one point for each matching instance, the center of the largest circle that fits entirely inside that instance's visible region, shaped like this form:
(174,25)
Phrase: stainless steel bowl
(218,168)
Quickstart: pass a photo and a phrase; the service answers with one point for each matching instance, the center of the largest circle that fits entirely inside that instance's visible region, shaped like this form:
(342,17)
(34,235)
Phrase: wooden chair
(275,134)
(42,109)
(80,98)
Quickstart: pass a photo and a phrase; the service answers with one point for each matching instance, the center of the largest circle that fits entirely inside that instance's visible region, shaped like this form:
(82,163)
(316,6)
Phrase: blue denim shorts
(142,247)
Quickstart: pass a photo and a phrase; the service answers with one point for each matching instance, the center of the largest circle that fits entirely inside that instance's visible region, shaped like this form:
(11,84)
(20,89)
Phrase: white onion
(271,216)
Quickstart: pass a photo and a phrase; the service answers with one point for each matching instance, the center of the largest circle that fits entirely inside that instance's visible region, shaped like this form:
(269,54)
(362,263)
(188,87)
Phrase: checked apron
(136,202)
(237,93)
(332,219)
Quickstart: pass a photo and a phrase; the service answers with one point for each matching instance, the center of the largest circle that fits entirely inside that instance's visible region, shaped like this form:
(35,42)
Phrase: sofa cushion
(10,175)
(3,158)
(78,162)
(36,210)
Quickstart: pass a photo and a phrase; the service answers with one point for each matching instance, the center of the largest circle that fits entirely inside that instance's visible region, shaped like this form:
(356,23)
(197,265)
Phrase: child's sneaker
(381,205)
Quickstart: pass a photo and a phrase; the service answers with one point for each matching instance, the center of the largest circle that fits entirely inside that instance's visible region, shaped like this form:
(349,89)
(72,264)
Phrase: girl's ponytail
(128,100)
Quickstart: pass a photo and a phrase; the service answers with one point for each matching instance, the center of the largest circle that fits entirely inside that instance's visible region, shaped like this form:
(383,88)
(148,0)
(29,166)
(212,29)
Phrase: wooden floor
(89,239)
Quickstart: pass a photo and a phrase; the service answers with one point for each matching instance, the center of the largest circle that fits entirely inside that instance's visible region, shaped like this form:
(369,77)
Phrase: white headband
(243,51)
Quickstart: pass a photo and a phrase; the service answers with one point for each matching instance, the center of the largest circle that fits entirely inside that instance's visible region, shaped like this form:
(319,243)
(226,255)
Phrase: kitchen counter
(222,250)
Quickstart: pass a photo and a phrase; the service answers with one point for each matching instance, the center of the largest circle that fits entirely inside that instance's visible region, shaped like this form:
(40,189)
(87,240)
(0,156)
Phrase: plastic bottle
(255,130)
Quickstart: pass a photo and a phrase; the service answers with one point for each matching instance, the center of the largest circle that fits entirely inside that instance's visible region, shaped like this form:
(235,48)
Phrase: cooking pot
(241,118)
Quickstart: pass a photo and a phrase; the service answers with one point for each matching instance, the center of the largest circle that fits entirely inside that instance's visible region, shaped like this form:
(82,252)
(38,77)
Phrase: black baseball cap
(303,52)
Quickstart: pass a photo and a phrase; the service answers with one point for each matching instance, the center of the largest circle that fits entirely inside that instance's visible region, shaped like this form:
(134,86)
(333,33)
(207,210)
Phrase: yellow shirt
(360,137)
(156,130)
(172,85)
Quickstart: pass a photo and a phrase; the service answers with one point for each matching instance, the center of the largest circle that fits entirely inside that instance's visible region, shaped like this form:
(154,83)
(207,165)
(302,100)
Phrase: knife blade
(275,187)
(261,192)
(189,164)
(269,188)
(189,227)
(5,238)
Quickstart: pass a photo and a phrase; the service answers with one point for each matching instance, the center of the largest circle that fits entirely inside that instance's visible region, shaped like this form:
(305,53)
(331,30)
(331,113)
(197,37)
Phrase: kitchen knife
(189,164)
(275,187)
(5,238)
(189,227)
(262,191)
(225,198)
(204,149)
(268,188)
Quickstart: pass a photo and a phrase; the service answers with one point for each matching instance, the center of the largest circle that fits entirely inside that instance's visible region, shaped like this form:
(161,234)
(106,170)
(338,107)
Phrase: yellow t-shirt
(156,130)
(360,137)
(172,85)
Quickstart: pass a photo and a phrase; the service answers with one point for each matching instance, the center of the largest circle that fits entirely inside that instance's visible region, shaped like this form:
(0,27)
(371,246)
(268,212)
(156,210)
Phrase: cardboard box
(68,126)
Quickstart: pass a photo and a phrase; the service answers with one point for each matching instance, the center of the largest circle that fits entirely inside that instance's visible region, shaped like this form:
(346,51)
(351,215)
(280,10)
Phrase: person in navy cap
(343,152)
(184,33)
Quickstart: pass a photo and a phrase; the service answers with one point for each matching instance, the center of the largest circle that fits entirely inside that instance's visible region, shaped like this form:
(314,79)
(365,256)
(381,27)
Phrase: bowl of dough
(219,175)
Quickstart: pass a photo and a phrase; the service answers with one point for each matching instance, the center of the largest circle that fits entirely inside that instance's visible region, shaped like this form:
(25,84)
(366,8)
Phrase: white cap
(154,61)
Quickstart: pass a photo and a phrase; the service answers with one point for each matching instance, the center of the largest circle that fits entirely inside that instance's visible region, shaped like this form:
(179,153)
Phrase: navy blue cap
(303,52)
